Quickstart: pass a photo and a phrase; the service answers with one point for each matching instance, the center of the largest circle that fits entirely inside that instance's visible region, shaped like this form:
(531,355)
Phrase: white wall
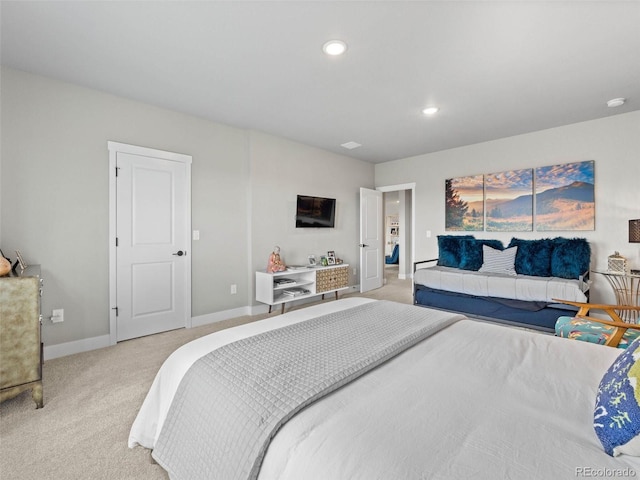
(54,197)
(280,170)
(614,144)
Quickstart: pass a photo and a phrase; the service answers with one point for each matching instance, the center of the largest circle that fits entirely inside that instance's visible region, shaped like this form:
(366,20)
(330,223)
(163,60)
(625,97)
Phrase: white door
(371,240)
(153,257)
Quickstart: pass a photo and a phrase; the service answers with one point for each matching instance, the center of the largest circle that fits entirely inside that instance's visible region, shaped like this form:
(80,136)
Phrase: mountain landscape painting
(565,197)
(464,208)
(509,201)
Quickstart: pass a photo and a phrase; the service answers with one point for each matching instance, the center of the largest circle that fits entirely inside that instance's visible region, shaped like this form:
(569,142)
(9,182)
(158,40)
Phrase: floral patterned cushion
(593,332)
(616,418)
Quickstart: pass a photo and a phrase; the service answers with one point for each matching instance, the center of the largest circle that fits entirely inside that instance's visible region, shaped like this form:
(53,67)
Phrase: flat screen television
(315,212)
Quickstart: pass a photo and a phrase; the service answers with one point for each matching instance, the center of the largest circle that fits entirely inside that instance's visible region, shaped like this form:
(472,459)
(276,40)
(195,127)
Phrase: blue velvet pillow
(471,252)
(616,418)
(534,256)
(570,257)
(449,250)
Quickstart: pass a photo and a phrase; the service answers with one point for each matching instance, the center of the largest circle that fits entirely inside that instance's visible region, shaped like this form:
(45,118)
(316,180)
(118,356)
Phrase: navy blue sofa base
(519,313)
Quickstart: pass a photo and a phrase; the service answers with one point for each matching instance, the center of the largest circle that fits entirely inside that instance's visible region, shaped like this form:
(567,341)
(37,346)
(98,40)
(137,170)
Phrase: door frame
(362,253)
(115,148)
(412,237)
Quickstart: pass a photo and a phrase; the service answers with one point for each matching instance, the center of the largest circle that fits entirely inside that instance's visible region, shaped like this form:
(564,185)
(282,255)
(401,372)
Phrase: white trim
(395,188)
(215,317)
(114,148)
(78,346)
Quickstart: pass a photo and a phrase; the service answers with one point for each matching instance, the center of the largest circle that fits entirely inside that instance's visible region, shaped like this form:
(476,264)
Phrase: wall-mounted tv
(315,212)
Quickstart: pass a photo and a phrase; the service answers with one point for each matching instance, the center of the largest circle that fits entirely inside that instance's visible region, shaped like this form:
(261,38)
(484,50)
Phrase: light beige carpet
(91,400)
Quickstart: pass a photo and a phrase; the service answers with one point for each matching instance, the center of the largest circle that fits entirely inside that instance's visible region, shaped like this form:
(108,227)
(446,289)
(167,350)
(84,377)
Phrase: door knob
(180,253)
(363,245)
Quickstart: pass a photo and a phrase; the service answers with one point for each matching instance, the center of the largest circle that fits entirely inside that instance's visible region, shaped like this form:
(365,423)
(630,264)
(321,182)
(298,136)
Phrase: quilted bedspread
(233,400)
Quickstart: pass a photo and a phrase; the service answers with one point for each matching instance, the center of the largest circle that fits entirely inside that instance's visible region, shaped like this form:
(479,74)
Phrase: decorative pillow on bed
(449,250)
(534,256)
(570,257)
(616,418)
(498,261)
(471,252)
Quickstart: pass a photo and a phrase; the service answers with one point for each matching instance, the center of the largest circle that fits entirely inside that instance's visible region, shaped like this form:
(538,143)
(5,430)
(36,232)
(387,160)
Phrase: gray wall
(614,144)
(280,170)
(54,199)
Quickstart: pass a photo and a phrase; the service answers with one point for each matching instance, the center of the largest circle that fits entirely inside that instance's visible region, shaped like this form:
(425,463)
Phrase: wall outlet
(428,233)
(196,234)
(355,271)
(57,315)
(234,289)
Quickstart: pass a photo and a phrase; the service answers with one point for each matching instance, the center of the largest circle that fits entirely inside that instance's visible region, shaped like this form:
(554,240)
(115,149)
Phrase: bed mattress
(474,400)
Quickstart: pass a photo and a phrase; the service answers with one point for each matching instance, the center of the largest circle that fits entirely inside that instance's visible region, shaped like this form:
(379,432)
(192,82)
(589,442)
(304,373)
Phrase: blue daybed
(459,279)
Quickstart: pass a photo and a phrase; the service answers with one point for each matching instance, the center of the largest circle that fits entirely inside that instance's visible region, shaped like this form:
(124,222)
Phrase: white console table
(282,287)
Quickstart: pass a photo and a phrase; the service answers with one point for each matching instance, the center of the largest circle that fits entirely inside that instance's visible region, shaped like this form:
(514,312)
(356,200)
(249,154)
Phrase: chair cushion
(592,332)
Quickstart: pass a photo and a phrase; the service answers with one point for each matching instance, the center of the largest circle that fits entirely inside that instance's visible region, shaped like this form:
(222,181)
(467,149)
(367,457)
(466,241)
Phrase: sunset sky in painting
(559,175)
(469,188)
(510,184)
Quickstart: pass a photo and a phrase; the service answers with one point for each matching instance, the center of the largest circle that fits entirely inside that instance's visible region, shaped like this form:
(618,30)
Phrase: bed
(470,399)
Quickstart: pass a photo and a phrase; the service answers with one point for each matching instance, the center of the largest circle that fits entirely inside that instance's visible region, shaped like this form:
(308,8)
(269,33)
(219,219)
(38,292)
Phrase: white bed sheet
(475,400)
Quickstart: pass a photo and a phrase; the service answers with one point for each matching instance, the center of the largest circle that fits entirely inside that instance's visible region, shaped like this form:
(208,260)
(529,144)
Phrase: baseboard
(88,344)
(78,346)
(220,316)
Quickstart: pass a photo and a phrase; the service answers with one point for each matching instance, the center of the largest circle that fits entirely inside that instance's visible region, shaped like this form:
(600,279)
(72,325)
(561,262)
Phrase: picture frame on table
(331,257)
(20,261)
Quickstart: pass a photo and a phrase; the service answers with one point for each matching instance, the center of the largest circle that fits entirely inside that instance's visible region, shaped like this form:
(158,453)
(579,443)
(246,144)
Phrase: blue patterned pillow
(616,418)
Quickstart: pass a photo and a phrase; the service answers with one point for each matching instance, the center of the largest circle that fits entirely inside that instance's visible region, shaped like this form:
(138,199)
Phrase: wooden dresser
(20,344)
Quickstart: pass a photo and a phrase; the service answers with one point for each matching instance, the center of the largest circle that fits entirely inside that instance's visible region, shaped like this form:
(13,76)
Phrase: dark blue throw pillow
(449,250)
(571,257)
(471,252)
(533,257)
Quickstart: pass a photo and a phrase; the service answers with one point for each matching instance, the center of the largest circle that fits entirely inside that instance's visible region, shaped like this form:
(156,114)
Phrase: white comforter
(517,287)
(475,400)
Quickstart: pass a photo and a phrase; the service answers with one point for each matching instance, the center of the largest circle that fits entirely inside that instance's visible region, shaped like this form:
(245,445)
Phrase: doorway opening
(399,240)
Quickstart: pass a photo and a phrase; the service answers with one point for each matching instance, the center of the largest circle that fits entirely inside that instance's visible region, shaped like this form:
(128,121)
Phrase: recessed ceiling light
(616,102)
(430,110)
(334,47)
(351,145)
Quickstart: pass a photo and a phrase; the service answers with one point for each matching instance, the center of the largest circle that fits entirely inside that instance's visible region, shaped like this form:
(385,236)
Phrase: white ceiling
(495,69)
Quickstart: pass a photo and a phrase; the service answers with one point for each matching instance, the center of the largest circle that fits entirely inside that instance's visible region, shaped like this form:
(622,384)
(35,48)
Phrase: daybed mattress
(474,400)
(517,287)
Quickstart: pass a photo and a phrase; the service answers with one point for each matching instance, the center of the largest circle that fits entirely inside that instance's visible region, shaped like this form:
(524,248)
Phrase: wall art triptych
(553,198)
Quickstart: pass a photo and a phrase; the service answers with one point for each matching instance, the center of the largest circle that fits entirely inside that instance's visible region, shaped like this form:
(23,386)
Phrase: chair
(612,333)
(394,257)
